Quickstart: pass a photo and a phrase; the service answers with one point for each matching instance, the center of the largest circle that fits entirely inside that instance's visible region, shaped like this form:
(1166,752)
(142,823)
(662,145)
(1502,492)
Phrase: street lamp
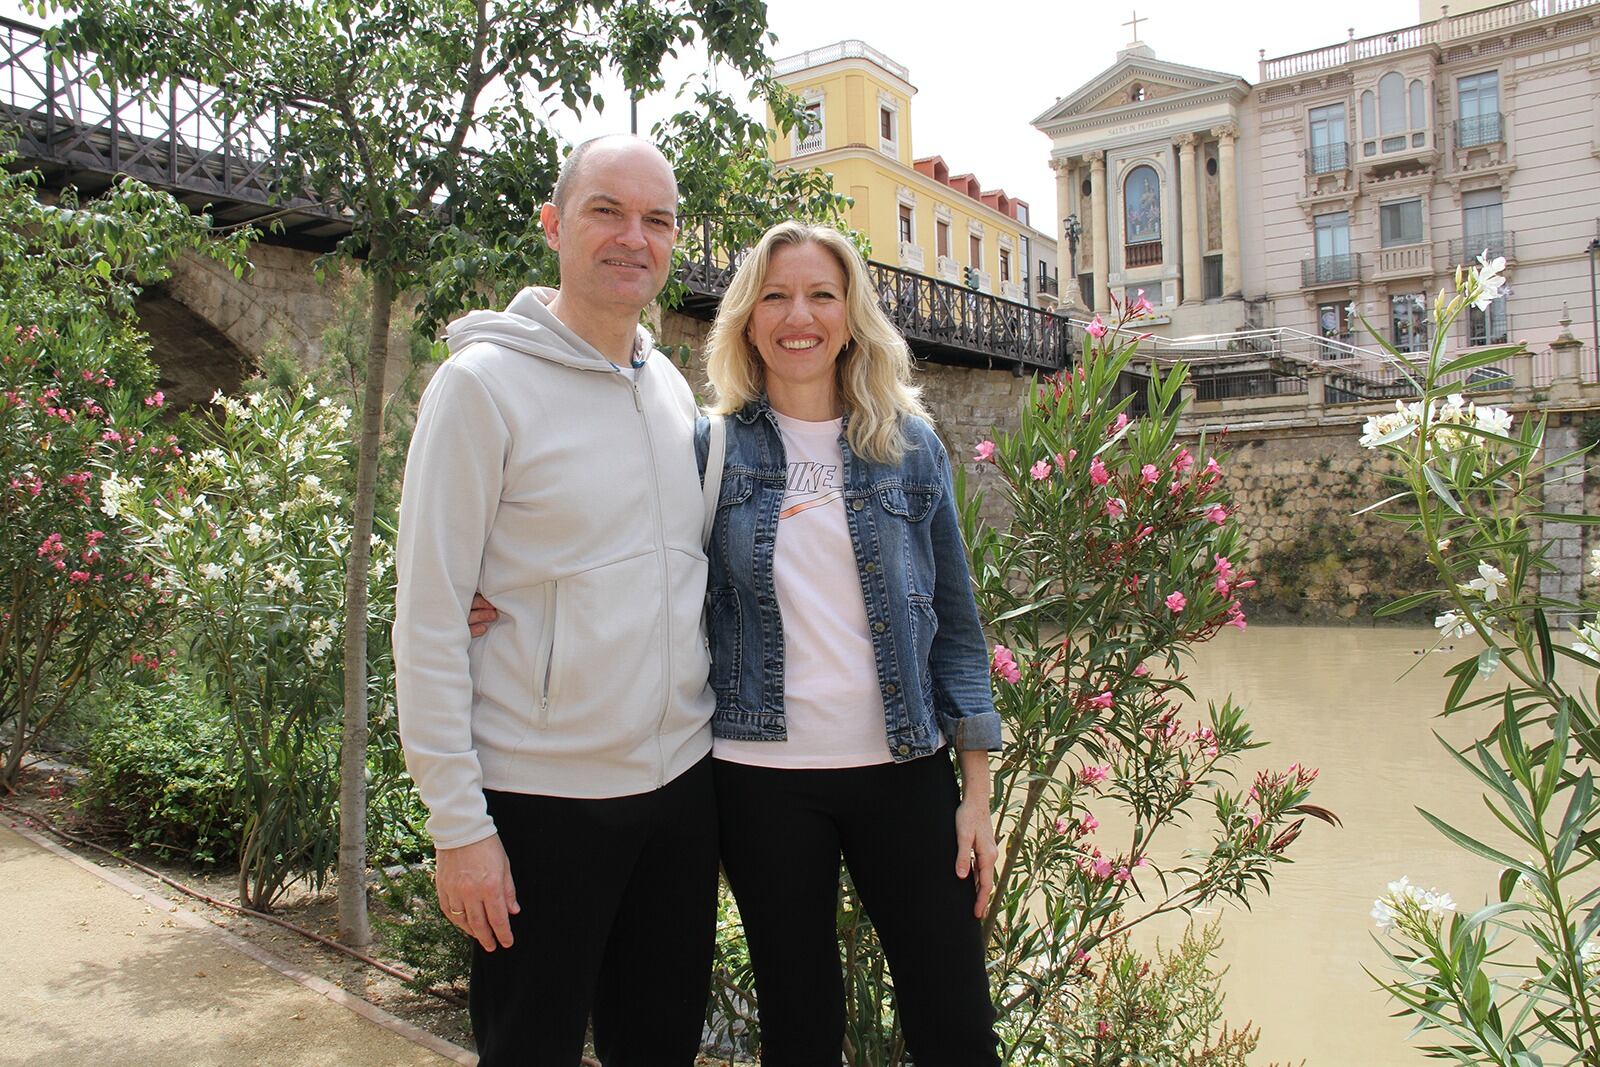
(1073,229)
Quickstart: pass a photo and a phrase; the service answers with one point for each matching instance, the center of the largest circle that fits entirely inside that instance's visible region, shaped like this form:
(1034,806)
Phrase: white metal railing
(851,49)
(1450,28)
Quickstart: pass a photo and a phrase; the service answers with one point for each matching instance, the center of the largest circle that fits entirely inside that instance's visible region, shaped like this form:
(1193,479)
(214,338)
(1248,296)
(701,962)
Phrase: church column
(1227,134)
(1067,282)
(1193,283)
(1100,207)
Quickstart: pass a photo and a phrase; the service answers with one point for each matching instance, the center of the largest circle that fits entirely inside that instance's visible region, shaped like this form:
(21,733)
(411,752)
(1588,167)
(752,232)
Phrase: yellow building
(916,214)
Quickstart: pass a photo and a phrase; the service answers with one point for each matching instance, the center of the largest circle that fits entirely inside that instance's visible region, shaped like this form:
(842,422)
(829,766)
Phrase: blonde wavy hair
(874,370)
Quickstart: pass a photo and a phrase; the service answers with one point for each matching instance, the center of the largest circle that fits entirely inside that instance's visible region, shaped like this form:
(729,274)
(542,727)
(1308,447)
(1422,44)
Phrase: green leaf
(1508,882)
(1440,489)
(1488,661)
(1547,655)
(1479,357)
(1476,847)
(1406,603)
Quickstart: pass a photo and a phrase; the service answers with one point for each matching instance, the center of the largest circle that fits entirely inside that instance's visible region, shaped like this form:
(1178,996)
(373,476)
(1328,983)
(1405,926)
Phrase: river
(1335,698)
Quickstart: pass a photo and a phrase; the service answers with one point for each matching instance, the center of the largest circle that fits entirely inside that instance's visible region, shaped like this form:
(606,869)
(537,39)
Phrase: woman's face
(799,324)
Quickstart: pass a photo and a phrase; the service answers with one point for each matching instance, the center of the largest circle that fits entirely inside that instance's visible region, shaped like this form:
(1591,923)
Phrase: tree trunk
(354,928)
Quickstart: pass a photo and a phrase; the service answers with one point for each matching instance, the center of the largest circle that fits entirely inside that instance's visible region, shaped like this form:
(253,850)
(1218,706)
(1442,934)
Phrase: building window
(1213,281)
(1482,224)
(1137,94)
(1400,223)
(1333,324)
(1331,247)
(975,250)
(1394,118)
(1005,265)
(1478,110)
(907,230)
(886,124)
(1021,213)
(1329,151)
(1408,320)
(1488,327)
(1086,188)
(941,238)
(1086,290)
(809,136)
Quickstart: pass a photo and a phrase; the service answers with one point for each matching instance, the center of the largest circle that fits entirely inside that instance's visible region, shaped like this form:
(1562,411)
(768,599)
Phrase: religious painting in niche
(1141,205)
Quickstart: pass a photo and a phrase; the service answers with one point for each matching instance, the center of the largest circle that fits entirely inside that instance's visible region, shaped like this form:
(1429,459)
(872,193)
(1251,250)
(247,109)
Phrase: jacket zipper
(666,597)
(552,614)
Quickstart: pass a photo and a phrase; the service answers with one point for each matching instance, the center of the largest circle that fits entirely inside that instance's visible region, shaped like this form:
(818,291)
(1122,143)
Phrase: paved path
(97,970)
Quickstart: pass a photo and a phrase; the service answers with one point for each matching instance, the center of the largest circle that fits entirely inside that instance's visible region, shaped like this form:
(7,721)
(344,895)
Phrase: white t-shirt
(832,706)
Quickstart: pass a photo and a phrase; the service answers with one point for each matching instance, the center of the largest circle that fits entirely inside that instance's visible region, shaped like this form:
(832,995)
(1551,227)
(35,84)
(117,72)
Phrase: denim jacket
(932,658)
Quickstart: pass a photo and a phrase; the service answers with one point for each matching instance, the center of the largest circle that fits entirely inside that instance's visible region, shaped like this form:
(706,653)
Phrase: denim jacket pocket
(924,624)
(726,631)
(909,502)
(737,485)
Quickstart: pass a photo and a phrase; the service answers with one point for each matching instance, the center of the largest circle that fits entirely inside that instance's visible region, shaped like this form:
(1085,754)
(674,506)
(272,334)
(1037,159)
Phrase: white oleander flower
(1487,281)
(1489,582)
(1452,624)
(213,572)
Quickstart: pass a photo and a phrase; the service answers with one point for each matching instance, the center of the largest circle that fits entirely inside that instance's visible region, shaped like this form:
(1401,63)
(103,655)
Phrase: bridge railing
(178,134)
(936,317)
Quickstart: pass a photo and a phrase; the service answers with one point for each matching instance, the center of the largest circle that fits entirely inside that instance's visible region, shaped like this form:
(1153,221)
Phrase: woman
(846,654)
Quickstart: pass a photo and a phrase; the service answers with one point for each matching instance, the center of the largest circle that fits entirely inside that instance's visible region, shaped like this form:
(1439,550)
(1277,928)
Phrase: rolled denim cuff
(970,732)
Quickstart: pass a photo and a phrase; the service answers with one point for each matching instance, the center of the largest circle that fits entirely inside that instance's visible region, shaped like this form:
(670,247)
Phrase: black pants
(619,911)
(783,833)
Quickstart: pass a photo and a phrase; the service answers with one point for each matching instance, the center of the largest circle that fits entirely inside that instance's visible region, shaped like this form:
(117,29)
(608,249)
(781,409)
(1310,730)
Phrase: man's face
(615,233)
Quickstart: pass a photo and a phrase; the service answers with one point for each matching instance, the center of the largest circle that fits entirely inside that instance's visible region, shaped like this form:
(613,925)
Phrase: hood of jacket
(528,326)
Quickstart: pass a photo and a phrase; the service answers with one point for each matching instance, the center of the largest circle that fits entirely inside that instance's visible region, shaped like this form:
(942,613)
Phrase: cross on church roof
(1134,22)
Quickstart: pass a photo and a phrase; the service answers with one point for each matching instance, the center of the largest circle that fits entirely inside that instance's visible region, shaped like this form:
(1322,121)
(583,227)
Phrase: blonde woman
(847,660)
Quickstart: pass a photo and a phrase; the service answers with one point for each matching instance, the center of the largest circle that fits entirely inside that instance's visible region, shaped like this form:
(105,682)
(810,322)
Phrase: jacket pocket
(909,502)
(725,630)
(924,624)
(544,659)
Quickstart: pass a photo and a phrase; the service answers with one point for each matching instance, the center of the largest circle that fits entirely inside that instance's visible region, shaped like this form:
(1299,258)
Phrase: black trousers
(783,833)
(619,911)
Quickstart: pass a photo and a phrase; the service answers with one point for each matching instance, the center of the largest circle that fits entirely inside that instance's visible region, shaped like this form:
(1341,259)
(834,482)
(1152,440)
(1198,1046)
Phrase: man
(563,756)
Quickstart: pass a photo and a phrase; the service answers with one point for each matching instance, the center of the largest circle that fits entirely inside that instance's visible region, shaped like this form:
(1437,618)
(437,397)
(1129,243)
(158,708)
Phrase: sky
(984,70)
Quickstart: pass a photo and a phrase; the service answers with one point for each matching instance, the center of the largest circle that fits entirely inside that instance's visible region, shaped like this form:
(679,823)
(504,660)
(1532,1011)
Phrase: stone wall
(1297,492)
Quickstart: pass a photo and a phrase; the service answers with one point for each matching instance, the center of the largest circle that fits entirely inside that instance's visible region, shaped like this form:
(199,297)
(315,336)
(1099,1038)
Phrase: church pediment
(1135,80)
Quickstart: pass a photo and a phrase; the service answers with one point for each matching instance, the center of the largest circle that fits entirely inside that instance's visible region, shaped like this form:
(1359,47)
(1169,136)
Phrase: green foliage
(416,933)
(1514,983)
(161,773)
(1121,555)
(1164,1012)
(77,407)
(251,542)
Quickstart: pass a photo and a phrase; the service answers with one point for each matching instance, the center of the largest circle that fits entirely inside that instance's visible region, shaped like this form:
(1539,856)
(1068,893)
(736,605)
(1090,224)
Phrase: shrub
(162,772)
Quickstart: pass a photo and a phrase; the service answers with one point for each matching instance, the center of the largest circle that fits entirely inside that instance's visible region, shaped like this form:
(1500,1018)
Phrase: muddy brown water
(1335,698)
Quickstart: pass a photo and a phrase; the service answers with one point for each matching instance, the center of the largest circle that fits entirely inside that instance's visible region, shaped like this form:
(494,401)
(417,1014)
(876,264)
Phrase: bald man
(564,754)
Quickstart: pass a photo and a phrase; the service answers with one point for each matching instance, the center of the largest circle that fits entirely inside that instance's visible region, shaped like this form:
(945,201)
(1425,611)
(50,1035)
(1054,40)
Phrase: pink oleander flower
(1149,474)
(1236,620)
(1088,824)
(1217,513)
(1176,602)
(1097,472)
(1119,425)
(1115,507)
(155,399)
(1224,568)
(1072,453)
(1096,329)
(1141,306)
(1061,461)
(1213,469)
(1140,671)
(1182,462)
(1063,827)
(1101,869)
(1004,665)
(1103,701)
(1040,470)
(1221,586)
(78,576)
(984,453)
(1094,774)
(1123,874)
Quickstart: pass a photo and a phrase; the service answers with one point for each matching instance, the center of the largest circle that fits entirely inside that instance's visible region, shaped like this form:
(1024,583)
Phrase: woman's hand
(975,845)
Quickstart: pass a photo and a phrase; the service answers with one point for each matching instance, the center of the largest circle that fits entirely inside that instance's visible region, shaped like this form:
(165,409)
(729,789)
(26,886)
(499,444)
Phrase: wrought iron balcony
(1045,285)
(1328,158)
(940,320)
(1499,243)
(1329,270)
(1479,130)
